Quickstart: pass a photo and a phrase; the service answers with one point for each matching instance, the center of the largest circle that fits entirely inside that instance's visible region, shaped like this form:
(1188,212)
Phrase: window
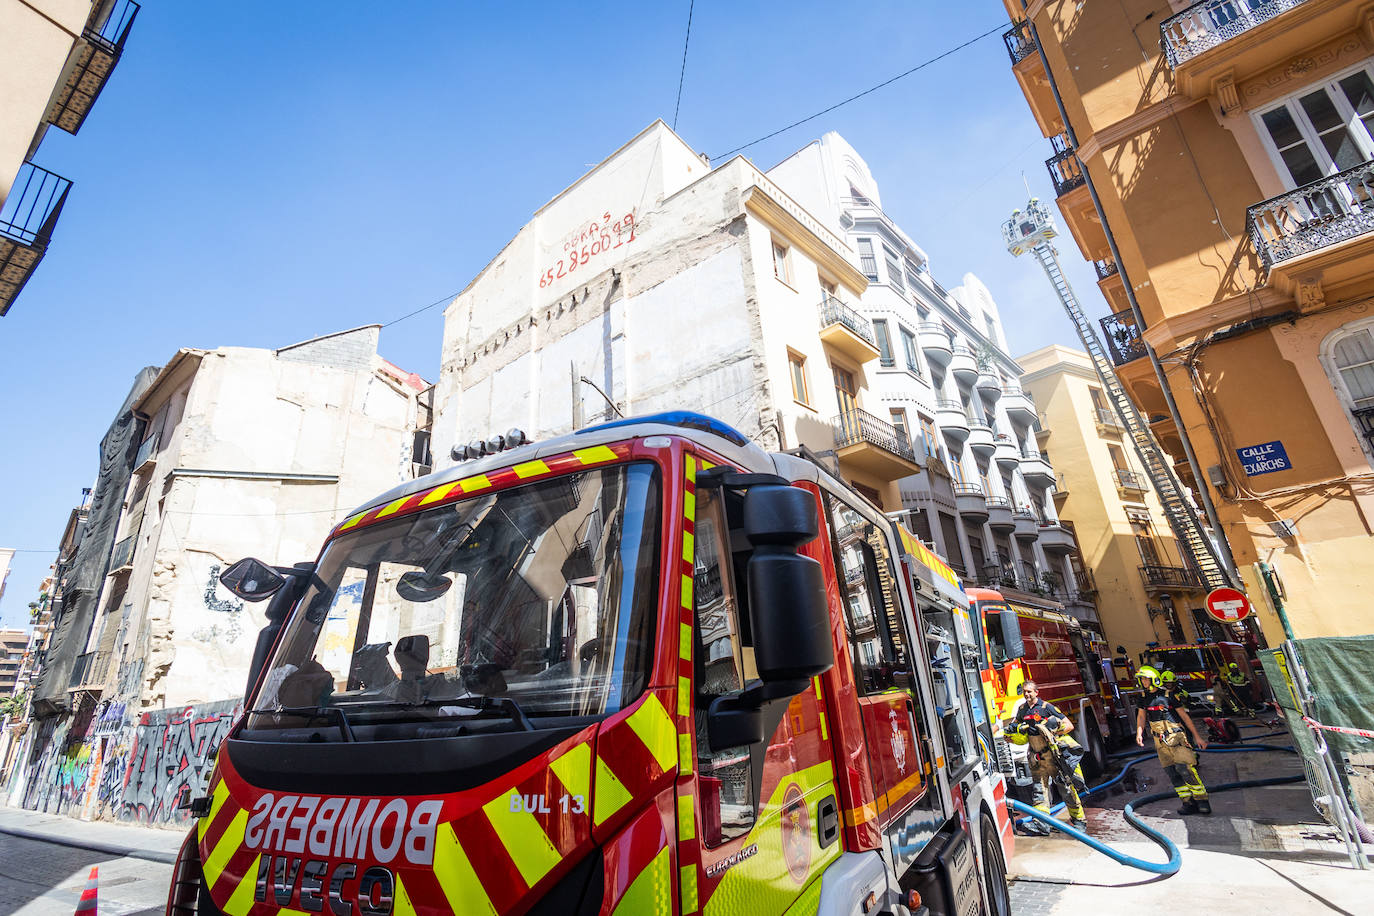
(909,351)
(1148,553)
(928,435)
(796,365)
(828,288)
(780,263)
(884,342)
(913,273)
(1098,402)
(872,619)
(899,423)
(722,661)
(1118,458)
(845,390)
(894,267)
(867,262)
(1323,130)
(1348,357)
(991,324)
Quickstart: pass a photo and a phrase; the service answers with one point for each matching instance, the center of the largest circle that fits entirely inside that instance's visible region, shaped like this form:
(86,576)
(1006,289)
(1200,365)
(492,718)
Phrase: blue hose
(1175,857)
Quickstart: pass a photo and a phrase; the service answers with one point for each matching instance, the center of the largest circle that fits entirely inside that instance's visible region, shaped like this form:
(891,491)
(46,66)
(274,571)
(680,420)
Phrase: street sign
(1265,458)
(1228,605)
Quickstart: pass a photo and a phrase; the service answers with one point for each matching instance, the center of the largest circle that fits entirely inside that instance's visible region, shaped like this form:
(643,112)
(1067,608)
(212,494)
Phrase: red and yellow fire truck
(1038,641)
(643,668)
(1197,665)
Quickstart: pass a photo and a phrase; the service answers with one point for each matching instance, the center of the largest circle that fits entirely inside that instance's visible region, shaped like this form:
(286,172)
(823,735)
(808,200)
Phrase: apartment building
(1214,160)
(944,378)
(59,55)
(14,644)
(1143,586)
(655,282)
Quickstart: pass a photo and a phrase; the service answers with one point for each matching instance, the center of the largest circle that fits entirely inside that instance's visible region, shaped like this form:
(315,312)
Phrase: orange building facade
(1216,162)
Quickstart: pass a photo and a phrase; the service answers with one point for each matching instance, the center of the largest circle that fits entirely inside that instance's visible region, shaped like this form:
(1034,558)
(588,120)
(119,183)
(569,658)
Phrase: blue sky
(259,173)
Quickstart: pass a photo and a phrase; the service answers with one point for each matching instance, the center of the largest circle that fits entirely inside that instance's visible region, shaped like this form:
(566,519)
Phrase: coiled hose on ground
(1135,757)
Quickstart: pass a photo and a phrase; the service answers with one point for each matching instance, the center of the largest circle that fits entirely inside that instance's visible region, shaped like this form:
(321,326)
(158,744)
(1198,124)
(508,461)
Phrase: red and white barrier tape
(1358,732)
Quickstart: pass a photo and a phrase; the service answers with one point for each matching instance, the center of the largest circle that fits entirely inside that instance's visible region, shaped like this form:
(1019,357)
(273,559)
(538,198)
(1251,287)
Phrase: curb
(151,855)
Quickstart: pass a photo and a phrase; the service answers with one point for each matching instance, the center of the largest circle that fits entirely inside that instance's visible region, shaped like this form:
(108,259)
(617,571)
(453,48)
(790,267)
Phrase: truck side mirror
(1014,646)
(251,580)
(278,609)
(788,612)
(787,603)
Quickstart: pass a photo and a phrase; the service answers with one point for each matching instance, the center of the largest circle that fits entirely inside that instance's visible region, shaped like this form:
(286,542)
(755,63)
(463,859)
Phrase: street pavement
(1262,850)
(45,860)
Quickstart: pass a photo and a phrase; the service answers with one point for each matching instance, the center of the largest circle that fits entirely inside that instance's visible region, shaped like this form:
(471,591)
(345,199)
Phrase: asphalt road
(46,879)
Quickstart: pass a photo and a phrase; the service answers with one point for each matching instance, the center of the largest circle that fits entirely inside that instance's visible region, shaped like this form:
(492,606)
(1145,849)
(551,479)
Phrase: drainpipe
(1228,562)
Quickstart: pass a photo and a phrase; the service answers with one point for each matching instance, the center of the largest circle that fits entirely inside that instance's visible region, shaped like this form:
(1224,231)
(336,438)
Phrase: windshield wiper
(312,712)
(484,703)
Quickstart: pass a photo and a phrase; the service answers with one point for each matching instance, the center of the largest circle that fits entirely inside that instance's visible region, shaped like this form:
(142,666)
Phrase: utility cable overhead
(681,75)
(440,301)
(921,66)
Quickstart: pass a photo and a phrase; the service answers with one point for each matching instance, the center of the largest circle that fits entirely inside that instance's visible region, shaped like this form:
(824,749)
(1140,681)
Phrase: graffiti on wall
(144,771)
(233,611)
(170,758)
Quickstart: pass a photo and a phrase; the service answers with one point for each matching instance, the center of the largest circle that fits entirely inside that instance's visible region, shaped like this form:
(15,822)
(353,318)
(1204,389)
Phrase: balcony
(1056,540)
(1019,42)
(1321,216)
(89,671)
(1206,25)
(999,575)
(90,63)
(1130,483)
(846,331)
(122,557)
(971,502)
(964,365)
(1019,406)
(1087,585)
(26,223)
(1065,172)
(1026,525)
(989,386)
(935,342)
(1105,268)
(1107,422)
(147,453)
(1035,468)
(980,439)
(952,418)
(1124,342)
(1170,578)
(864,442)
(1000,517)
(1006,452)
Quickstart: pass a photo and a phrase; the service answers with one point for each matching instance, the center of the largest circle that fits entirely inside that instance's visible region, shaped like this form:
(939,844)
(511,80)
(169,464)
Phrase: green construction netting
(1340,670)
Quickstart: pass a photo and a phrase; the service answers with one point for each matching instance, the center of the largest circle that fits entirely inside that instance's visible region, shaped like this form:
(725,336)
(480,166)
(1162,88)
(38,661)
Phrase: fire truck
(1025,640)
(1197,665)
(646,667)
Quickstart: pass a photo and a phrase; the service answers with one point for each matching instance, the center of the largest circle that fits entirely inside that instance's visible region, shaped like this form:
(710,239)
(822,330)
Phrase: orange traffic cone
(86,905)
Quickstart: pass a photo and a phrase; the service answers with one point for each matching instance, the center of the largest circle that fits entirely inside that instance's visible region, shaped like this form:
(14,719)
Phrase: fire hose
(1175,857)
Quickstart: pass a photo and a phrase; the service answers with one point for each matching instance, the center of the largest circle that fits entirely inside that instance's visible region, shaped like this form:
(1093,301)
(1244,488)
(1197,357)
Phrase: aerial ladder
(1030,230)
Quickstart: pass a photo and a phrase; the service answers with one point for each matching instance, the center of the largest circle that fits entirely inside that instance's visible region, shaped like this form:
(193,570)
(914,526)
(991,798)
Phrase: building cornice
(762,204)
(1128,127)
(1169,333)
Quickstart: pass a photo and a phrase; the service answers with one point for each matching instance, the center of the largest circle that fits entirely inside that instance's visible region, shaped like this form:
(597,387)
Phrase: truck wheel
(994,871)
(1094,750)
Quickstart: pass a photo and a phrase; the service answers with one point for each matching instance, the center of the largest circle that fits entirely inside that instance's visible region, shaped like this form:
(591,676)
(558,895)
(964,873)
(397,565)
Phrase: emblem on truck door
(796,833)
(898,742)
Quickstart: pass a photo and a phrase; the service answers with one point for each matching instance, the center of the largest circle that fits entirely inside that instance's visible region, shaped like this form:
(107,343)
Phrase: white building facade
(944,375)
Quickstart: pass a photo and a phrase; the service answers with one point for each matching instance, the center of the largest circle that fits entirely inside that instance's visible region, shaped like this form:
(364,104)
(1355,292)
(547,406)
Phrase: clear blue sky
(259,173)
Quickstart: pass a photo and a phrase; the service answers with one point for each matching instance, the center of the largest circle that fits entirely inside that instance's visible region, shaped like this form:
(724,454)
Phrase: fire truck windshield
(1179,661)
(542,595)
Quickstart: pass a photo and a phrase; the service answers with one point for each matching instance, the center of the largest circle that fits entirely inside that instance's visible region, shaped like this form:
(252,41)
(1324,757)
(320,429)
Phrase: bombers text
(373,829)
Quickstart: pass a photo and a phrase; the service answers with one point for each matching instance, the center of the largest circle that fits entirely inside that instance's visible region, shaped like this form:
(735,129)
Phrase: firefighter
(1231,691)
(1169,681)
(1054,755)
(1167,721)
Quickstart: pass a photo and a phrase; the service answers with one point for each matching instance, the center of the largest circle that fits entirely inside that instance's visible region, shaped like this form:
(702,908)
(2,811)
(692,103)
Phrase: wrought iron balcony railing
(1170,577)
(1205,25)
(1105,268)
(1019,42)
(968,489)
(1129,480)
(1123,338)
(857,426)
(33,205)
(833,311)
(1105,417)
(1034,454)
(998,502)
(1083,578)
(951,404)
(1065,172)
(1322,213)
(1364,416)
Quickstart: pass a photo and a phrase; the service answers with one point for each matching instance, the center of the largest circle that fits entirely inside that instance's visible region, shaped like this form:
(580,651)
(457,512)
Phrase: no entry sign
(1228,605)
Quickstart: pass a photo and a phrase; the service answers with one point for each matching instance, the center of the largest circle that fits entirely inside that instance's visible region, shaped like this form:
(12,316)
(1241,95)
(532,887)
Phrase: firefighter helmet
(1147,673)
(1168,678)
